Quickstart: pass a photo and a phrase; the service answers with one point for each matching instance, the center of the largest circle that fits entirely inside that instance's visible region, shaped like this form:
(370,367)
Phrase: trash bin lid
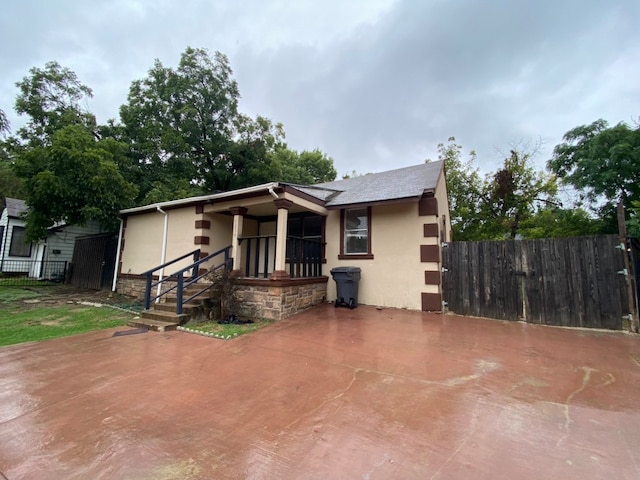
(346,270)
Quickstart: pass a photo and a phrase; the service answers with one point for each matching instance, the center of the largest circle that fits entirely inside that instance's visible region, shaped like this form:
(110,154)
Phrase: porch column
(238,221)
(280,273)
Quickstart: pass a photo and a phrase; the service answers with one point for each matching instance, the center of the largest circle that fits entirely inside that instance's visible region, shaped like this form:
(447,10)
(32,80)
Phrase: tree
(74,179)
(498,205)
(464,187)
(5,126)
(304,168)
(184,124)
(555,222)
(69,173)
(633,224)
(603,163)
(181,121)
(512,195)
(52,98)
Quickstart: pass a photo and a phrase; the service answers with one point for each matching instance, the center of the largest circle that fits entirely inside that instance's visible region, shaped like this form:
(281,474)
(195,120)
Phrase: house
(16,255)
(46,259)
(284,239)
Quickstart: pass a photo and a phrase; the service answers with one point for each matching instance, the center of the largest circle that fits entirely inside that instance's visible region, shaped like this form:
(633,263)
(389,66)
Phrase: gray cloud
(374,84)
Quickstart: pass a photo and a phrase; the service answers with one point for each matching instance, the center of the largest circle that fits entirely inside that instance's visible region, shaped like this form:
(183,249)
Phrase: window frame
(13,246)
(355,256)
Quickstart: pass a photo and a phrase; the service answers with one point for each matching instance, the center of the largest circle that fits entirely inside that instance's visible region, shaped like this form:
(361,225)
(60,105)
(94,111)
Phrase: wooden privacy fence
(577,282)
(94,259)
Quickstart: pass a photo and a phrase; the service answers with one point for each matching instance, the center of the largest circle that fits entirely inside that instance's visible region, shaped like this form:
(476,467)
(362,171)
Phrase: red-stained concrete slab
(326,394)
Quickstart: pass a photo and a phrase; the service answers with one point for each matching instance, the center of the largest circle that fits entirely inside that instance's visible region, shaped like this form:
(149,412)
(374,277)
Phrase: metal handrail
(195,254)
(179,277)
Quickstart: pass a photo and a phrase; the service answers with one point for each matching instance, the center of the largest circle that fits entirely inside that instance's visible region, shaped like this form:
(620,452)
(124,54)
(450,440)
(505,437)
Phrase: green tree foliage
(465,189)
(603,163)
(4,123)
(556,222)
(52,98)
(501,204)
(513,194)
(303,168)
(633,224)
(184,124)
(72,180)
(68,173)
(10,184)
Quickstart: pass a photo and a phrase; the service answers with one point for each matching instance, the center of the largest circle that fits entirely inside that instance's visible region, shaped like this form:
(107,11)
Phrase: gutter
(204,198)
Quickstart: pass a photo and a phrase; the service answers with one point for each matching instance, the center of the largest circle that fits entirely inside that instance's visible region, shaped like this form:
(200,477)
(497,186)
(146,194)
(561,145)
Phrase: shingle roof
(407,182)
(15,207)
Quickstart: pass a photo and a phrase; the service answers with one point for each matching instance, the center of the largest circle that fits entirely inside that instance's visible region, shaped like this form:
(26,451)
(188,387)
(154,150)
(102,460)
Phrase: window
(356,233)
(18,247)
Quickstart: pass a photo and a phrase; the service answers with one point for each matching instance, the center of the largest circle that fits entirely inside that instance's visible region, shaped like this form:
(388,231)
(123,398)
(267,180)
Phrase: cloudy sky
(376,84)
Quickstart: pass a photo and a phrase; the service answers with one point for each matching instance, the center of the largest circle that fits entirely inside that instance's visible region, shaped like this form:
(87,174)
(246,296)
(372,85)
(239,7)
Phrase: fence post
(622,230)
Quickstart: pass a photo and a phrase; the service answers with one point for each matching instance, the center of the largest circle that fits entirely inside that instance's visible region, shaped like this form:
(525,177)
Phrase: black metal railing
(259,259)
(29,272)
(179,277)
(304,256)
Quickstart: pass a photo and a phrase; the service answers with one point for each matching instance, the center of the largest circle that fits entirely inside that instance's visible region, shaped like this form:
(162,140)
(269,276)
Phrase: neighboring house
(286,238)
(16,256)
(45,259)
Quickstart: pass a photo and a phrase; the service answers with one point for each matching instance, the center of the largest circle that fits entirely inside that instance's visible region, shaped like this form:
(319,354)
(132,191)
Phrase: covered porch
(278,251)
(278,236)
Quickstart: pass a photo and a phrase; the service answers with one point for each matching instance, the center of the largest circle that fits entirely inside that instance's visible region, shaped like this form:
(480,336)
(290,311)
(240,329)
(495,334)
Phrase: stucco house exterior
(284,239)
(45,259)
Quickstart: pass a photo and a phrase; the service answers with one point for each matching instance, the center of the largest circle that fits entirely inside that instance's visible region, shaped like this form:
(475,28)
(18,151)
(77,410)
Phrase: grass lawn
(228,330)
(31,314)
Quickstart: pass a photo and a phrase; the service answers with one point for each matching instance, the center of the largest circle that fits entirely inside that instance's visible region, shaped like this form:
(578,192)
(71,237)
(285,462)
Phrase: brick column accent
(430,255)
(283,205)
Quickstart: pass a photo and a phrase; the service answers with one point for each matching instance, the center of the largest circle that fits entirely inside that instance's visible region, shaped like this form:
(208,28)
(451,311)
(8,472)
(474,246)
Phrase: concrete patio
(330,393)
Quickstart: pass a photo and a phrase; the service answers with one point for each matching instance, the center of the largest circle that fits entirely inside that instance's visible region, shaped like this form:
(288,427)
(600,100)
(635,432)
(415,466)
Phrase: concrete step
(164,316)
(155,325)
(169,306)
(171,296)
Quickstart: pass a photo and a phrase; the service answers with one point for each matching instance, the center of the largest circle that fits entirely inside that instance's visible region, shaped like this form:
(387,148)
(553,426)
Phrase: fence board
(570,281)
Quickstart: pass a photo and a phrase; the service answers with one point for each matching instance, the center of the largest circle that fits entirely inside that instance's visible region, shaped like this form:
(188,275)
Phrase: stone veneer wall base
(260,298)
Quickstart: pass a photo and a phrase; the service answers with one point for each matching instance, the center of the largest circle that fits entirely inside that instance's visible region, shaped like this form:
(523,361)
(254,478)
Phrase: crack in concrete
(470,432)
(385,458)
(324,402)
(586,377)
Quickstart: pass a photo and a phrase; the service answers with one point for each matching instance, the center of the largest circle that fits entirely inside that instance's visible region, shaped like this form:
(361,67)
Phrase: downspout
(164,250)
(117,266)
(273,193)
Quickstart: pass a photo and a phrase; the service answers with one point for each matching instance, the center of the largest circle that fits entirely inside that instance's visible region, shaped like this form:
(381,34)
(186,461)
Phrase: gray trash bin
(347,280)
